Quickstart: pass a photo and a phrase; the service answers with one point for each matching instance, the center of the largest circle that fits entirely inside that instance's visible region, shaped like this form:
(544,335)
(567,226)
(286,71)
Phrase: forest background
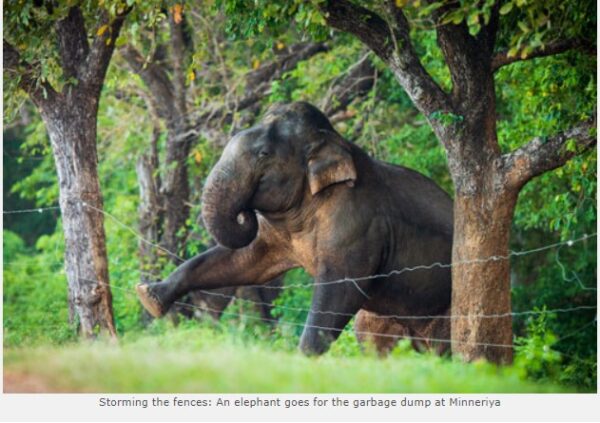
(182,79)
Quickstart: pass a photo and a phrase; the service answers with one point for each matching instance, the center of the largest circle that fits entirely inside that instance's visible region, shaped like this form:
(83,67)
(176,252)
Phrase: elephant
(292,192)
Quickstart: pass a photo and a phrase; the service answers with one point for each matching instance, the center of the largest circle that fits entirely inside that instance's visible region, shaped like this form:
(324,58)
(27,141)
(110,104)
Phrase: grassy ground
(198,360)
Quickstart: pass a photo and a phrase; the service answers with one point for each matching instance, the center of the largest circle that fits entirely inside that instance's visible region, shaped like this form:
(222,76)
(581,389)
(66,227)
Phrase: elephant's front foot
(315,342)
(150,301)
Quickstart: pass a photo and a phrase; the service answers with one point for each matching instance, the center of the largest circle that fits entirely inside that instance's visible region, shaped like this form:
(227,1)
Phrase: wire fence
(336,313)
(205,308)
(374,335)
(430,266)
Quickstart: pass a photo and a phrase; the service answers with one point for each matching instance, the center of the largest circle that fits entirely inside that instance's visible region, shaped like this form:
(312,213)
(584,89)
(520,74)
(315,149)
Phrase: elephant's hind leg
(437,333)
(380,331)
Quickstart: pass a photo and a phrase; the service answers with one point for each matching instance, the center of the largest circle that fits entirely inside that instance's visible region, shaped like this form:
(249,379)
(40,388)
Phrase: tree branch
(366,25)
(98,59)
(258,82)
(276,68)
(357,81)
(392,43)
(468,57)
(39,92)
(155,78)
(73,46)
(258,85)
(544,154)
(560,46)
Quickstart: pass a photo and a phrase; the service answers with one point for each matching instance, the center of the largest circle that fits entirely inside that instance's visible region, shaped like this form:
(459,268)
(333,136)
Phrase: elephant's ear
(330,162)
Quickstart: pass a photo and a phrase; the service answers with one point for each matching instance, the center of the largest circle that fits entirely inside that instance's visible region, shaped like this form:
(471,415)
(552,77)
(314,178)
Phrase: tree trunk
(149,212)
(484,204)
(176,187)
(480,278)
(71,124)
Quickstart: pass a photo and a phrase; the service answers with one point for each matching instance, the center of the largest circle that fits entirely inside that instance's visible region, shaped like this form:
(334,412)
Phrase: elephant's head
(293,152)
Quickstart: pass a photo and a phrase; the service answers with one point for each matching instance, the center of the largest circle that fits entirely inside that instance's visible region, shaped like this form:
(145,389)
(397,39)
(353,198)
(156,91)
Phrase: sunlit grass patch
(200,359)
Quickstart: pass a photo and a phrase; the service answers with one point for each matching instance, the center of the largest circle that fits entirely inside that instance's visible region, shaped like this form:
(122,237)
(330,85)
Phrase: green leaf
(474,29)
(571,145)
(473,19)
(523,26)
(512,52)
(504,10)
(454,17)
(121,40)
(101,30)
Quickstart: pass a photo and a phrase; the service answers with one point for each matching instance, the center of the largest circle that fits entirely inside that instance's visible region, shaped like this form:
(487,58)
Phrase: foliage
(39,186)
(534,354)
(30,28)
(34,292)
(18,168)
(291,307)
(542,356)
(250,19)
(531,24)
(539,98)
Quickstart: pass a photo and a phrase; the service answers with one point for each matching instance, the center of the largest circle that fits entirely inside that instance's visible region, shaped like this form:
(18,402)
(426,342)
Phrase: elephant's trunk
(225,207)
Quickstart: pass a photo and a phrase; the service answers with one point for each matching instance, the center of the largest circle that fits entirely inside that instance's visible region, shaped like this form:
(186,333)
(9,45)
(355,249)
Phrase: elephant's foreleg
(332,308)
(217,267)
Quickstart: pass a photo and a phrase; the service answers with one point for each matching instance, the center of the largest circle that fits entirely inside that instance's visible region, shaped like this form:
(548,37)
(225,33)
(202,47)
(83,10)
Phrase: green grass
(200,359)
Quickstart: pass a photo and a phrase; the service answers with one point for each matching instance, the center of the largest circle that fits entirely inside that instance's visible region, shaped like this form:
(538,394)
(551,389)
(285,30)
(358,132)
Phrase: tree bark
(480,280)
(484,203)
(150,211)
(71,127)
(483,210)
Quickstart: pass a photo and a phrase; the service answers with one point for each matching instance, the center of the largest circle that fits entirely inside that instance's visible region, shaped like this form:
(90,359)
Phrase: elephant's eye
(263,153)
